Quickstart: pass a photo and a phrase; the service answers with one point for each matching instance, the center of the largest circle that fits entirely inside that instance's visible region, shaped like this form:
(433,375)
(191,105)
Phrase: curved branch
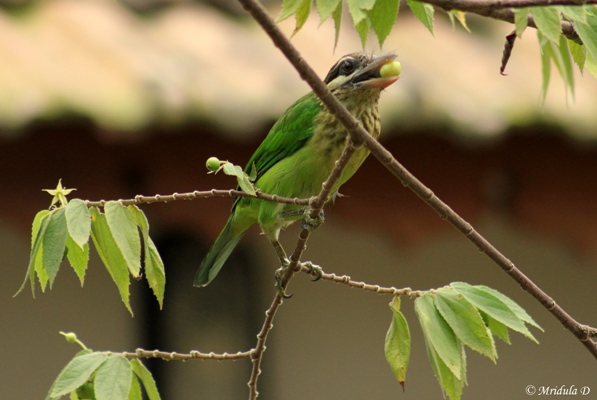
(359,136)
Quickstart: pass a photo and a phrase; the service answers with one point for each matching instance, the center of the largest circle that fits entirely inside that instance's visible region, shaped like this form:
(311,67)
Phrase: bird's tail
(217,255)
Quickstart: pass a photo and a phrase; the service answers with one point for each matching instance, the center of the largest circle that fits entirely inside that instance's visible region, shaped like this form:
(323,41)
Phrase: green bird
(299,153)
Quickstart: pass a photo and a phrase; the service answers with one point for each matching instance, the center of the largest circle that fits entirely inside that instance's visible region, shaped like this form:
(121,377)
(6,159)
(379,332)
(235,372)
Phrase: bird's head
(360,72)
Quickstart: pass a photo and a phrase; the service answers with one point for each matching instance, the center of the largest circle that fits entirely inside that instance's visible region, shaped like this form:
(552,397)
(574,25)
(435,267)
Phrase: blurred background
(131,97)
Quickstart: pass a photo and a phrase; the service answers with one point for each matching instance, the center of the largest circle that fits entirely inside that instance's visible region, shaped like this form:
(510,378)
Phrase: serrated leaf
(547,20)
(439,333)
(578,52)
(154,266)
(574,13)
(289,8)
(76,373)
(423,11)
(588,32)
(77,257)
(337,16)
(229,169)
(146,378)
(512,305)
(123,226)
(325,8)
(363,28)
(493,306)
(382,17)
(448,382)
(110,254)
(135,393)
(496,327)
(113,379)
(40,224)
(37,259)
(54,243)
(545,68)
(591,65)
(302,13)
(78,221)
(521,20)
(358,10)
(465,321)
(560,55)
(397,344)
(461,17)
(253,173)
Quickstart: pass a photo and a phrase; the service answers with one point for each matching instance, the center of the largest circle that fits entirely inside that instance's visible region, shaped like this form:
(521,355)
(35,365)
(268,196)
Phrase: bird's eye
(347,67)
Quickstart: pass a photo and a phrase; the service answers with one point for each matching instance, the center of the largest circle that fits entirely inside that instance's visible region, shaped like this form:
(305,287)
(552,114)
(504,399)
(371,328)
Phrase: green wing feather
(289,134)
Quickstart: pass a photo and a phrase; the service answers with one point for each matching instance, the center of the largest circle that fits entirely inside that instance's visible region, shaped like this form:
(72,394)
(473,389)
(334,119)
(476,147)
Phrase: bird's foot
(314,269)
(280,272)
(309,223)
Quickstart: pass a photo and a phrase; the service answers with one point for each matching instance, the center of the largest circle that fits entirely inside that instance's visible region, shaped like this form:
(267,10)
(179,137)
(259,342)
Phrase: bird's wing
(288,135)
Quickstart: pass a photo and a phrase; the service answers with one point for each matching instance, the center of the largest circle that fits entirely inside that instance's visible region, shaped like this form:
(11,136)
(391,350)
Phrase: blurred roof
(126,68)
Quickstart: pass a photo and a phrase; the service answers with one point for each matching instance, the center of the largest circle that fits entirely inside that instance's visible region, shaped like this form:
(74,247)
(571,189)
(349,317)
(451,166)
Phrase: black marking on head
(347,65)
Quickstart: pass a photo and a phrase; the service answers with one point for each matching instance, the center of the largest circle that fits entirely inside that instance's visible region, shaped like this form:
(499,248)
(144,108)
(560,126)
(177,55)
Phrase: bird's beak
(370,77)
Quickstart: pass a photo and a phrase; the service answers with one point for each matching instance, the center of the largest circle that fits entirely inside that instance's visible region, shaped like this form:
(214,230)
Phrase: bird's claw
(280,272)
(309,223)
(314,269)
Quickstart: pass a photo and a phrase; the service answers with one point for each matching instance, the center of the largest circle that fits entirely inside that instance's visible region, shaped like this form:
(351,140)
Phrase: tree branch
(158,198)
(501,10)
(359,136)
(193,355)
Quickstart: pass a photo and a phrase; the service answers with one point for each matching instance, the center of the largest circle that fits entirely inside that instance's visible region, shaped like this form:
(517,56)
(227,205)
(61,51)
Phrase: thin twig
(359,135)
(193,355)
(158,198)
(346,280)
(316,205)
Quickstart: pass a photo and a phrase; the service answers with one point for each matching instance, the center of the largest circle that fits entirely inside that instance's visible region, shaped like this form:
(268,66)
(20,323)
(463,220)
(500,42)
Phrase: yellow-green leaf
(325,8)
(54,243)
(110,254)
(547,20)
(382,17)
(113,379)
(423,11)
(123,226)
(521,20)
(358,10)
(397,344)
(77,257)
(78,221)
(146,378)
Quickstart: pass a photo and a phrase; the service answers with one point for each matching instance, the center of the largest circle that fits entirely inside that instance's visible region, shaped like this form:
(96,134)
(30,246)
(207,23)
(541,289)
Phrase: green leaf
(78,221)
(110,254)
(54,243)
(397,344)
(423,11)
(148,382)
(36,265)
(591,65)
(302,13)
(325,8)
(493,306)
(382,17)
(77,257)
(512,305)
(461,17)
(450,384)
(521,20)
(561,57)
(363,28)
(337,16)
(245,184)
(40,224)
(547,20)
(113,379)
(588,32)
(545,67)
(358,10)
(578,52)
(154,266)
(135,393)
(439,333)
(289,7)
(123,226)
(496,327)
(574,13)
(76,373)
(465,321)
